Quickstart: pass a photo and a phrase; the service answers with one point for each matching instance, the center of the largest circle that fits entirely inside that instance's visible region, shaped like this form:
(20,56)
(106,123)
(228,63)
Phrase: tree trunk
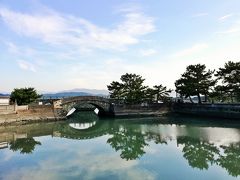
(231,97)
(199,99)
(190,99)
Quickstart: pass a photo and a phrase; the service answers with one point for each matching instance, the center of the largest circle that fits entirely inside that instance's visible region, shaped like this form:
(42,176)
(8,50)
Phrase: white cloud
(26,65)
(192,50)
(148,52)
(61,29)
(223,18)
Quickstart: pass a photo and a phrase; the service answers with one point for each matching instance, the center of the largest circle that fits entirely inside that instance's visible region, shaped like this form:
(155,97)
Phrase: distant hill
(65,94)
(69,94)
(89,91)
(4,94)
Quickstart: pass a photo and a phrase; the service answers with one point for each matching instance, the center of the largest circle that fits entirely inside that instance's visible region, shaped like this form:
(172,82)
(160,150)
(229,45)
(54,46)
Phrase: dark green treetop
(196,80)
(161,92)
(131,89)
(230,79)
(24,96)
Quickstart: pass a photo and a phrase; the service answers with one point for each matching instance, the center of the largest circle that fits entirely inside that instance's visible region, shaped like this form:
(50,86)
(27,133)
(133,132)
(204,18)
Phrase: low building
(4,100)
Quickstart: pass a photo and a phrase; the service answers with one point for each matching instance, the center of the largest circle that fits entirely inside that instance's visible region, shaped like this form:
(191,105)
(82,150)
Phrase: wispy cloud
(26,65)
(192,50)
(225,17)
(12,48)
(148,52)
(20,50)
(231,30)
(61,29)
(200,14)
(234,27)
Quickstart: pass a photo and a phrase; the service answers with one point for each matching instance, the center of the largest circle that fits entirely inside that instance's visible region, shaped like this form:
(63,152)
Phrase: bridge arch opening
(102,112)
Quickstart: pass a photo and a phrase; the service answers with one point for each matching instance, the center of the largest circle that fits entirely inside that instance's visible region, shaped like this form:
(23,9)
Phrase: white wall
(22,108)
(4,101)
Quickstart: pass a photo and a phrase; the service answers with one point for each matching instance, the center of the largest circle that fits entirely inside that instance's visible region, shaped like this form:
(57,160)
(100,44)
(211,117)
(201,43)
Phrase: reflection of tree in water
(231,159)
(131,144)
(26,145)
(157,138)
(198,153)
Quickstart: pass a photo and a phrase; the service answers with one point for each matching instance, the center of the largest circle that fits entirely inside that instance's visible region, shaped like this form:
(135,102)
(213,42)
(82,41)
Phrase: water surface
(85,147)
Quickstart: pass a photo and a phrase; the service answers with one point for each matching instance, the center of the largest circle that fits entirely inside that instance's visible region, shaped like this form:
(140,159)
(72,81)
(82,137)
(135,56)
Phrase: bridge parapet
(85,98)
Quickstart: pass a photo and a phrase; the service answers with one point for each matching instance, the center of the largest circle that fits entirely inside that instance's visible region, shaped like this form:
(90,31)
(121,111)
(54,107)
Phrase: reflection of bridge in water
(81,126)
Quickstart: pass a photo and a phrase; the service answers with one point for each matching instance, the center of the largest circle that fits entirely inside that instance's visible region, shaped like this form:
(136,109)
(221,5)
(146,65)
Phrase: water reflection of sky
(66,159)
(81,126)
(166,153)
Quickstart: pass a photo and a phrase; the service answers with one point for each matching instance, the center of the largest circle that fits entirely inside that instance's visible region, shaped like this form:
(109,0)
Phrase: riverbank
(49,113)
(33,114)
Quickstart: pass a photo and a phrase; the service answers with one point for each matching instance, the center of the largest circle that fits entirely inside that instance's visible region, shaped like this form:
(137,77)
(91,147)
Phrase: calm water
(85,147)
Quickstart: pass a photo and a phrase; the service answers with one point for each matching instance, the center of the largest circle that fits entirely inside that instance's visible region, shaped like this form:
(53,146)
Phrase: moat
(84,147)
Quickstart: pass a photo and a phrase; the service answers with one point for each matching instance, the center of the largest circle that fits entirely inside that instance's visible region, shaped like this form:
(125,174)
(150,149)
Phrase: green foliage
(229,76)
(130,144)
(161,92)
(131,89)
(24,96)
(157,93)
(116,90)
(196,80)
(230,159)
(149,95)
(198,153)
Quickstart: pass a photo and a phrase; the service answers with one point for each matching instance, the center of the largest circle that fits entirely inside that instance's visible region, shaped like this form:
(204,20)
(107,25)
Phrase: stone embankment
(33,114)
(227,111)
(141,110)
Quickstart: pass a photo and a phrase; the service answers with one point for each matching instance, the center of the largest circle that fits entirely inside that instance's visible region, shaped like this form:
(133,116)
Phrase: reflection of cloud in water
(84,164)
(81,126)
(7,155)
(217,135)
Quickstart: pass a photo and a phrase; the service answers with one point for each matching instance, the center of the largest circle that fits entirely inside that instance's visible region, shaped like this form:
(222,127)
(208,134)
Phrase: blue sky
(58,45)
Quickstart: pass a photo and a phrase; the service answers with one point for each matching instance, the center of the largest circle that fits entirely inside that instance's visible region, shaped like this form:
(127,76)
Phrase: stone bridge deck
(85,98)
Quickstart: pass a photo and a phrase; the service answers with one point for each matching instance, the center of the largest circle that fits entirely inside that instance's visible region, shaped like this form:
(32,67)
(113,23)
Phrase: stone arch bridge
(105,107)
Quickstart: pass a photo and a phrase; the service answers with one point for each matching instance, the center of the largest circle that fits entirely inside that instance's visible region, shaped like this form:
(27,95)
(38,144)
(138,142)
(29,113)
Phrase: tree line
(222,85)
(131,90)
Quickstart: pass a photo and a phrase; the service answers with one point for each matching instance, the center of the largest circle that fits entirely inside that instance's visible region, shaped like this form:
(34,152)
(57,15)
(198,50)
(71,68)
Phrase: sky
(65,44)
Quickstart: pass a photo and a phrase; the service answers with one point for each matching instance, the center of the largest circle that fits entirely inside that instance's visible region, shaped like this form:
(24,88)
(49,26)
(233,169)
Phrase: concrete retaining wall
(22,108)
(34,113)
(141,110)
(231,111)
(7,109)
